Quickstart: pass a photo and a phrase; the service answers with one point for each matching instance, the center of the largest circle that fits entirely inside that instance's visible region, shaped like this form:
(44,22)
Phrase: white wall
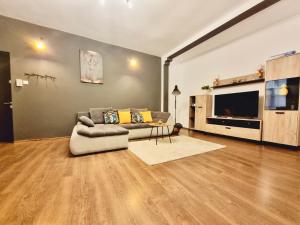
(241,57)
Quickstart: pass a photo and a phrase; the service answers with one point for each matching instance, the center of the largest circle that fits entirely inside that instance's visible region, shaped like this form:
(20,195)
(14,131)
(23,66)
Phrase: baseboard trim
(42,139)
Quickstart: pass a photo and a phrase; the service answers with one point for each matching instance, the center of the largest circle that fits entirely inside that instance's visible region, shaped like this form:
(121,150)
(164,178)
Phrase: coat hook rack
(39,76)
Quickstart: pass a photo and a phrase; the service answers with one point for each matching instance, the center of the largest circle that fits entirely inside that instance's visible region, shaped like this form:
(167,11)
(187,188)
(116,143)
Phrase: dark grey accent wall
(47,109)
(166,88)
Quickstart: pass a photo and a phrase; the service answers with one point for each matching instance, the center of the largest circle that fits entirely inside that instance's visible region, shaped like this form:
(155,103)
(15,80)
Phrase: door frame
(12,115)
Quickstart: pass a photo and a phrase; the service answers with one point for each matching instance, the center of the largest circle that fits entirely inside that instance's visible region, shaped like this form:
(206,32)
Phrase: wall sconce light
(40,45)
(133,63)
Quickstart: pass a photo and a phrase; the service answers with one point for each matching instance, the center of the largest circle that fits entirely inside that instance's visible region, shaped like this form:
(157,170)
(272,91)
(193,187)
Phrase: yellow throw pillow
(147,116)
(124,116)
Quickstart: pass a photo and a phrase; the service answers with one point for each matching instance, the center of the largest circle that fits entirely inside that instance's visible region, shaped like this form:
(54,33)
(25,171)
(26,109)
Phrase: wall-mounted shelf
(240,80)
(39,76)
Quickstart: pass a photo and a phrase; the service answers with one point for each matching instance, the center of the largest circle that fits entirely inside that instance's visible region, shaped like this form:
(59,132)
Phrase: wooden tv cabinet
(282,126)
(241,128)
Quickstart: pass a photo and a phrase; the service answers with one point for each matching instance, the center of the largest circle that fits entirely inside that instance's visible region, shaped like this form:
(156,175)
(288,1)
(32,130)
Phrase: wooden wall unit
(238,132)
(282,126)
(200,109)
(278,126)
(240,128)
(285,67)
(203,110)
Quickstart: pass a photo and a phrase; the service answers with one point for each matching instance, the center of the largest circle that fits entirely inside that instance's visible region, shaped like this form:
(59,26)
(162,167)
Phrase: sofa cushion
(163,116)
(147,116)
(139,110)
(137,117)
(131,126)
(111,117)
(97,114)
(124,110)
(79,114)
(101,130)
(124,117)
(86,121)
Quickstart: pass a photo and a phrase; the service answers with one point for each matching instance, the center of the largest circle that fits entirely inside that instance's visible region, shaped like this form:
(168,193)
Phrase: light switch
(25,82)
(19,83)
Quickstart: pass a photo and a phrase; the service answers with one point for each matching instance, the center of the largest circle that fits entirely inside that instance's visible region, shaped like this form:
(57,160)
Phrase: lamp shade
(176,91)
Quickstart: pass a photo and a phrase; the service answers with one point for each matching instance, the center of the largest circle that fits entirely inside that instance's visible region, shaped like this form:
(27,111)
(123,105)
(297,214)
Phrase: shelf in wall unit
(241,80)
(233,118)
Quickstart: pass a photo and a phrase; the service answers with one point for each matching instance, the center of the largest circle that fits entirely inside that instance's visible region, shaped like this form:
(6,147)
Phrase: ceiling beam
(241,17)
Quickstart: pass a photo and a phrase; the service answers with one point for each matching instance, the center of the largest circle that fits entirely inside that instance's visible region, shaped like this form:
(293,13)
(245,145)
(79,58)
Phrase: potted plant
(206,89)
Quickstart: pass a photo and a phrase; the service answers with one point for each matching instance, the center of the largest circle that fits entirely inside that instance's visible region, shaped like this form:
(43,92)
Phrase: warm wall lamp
(133,63)
(39,44)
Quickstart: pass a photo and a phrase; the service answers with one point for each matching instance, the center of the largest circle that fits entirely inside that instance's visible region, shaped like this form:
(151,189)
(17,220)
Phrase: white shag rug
(164,151)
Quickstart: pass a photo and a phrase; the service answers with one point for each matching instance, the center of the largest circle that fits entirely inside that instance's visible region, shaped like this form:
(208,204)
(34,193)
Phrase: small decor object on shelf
(216,82)
(283,90)
(261,72)
(206,87)
(91,65)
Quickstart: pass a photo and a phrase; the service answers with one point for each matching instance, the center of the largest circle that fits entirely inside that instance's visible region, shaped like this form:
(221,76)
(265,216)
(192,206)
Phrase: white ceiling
(279,12)
(151,26)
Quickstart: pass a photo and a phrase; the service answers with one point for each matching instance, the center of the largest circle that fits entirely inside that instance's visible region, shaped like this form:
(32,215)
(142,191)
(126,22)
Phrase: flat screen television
(243,104)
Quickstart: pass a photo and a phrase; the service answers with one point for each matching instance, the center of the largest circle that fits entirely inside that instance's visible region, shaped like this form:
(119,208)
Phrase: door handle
(7,103)
(279,112)
(228,128)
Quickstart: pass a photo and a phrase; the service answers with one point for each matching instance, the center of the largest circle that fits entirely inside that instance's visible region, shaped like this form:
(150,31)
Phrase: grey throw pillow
(86,121)
(97,114)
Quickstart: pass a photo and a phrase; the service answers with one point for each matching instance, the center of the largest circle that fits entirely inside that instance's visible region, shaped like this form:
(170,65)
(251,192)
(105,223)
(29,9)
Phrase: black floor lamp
(176,92)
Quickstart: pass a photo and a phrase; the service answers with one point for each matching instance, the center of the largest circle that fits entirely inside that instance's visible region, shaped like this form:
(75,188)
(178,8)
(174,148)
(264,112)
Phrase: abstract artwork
(91,66)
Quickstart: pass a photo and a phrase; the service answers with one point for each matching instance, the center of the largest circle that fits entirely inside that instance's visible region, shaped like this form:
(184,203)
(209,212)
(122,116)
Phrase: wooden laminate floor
(245,183)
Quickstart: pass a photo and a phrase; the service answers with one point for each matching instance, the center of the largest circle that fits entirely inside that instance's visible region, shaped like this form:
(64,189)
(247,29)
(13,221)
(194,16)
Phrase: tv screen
(244,104)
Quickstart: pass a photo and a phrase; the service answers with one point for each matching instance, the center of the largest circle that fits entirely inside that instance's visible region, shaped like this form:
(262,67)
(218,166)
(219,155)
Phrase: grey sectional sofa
(107,137)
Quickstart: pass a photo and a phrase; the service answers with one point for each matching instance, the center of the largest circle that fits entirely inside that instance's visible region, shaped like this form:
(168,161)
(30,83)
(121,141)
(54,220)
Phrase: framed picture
(91,66)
